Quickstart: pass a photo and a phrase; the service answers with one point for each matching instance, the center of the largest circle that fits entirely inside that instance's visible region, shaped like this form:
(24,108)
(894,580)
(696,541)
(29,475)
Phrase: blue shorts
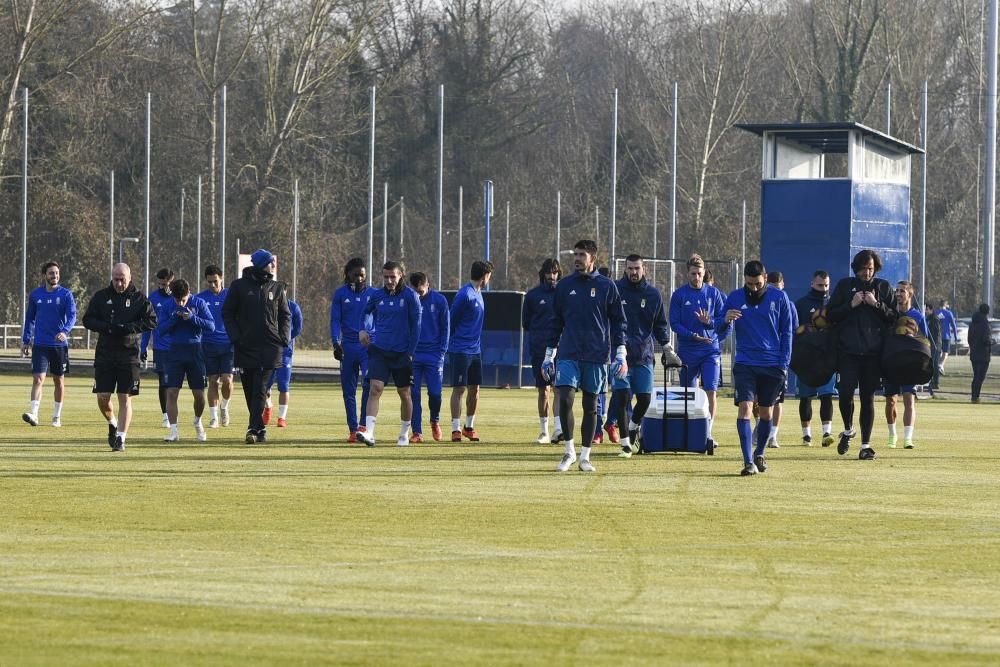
(828,389)
(536,371)
(762,384)
(639,380)
(709,369)
(466,369)
(283,376)
(185,361)
(590,377)
(383,365)
(160,360)
(218,358)
(52,359)
(889,389)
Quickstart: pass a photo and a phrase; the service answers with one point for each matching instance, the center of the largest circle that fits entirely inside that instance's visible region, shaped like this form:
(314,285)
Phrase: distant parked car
(962,342)
(995,335)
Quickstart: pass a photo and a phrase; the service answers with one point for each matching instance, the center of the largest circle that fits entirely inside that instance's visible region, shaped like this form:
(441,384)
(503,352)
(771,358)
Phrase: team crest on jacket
(593,292)
(642,303)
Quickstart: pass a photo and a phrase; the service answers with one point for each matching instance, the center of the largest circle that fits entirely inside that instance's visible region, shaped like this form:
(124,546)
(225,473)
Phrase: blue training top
(286,354)
(467,315)
(48,314)
(685,303)
(163,305)
(590,318)
(949,329)
(538,317)
(764,331)
(395,320)
(645,320)
(215,301)
(186,332)
(346,307)
(435,328)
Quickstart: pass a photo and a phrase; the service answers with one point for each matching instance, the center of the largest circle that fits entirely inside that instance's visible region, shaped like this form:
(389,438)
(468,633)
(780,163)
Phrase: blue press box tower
(827,191)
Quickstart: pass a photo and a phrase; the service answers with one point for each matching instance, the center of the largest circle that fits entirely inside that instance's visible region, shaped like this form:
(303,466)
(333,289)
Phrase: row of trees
(527,104)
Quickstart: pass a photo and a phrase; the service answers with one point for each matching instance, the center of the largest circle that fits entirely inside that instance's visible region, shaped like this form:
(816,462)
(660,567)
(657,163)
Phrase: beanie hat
(261,258)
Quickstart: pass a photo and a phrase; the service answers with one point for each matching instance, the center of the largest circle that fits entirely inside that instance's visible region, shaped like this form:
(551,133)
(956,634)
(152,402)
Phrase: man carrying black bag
(862,308)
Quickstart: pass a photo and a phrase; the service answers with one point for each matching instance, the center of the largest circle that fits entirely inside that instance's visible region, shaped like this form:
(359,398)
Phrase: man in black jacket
(862,308)
(980,347)
(934,327)
(259,324)
(120,314)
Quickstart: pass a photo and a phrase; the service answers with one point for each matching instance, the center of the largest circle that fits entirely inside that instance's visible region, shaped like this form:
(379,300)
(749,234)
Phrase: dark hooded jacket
(860,330)
(120,319)
(980,341)
(257,318)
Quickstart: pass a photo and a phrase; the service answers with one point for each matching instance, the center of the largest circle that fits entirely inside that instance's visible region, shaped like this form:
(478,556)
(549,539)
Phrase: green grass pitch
(310,551)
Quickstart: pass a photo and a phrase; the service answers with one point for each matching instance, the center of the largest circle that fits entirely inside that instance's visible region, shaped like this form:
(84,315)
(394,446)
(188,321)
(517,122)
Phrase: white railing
(79,337)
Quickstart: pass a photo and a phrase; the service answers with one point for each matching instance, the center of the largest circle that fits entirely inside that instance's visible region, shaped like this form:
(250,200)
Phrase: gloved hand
(548,369)
(619,367)
(143,356)
(669,358)
(338,351)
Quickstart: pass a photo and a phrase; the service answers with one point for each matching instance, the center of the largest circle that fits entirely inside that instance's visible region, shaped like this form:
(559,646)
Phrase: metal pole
(989,206)
(197,244)
(385,223)
(654,252)
(111,224)
(558,223)
(487,216)
(459,237)
(888,108)
(614,174)
(743,249)
(402,214)
(295,241)
(222,193)
(371,185)
(923,208)
(182,214)
(673,184)
(149,115)
(440,202)
(597,223)
(24,214)
(506,252)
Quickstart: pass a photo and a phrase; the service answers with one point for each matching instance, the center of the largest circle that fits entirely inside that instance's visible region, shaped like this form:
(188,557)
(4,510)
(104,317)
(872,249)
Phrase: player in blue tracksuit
(283,375)
(693,309)
(467,317)
(949,331)
(218,350)
(906,308)
(538,320)
(395,323)
(428,362)
(761,318)
(49,319)
(646,324)
(163,305)
(590,320)
(348,301)
(808,308)
(777,280)
(183,327)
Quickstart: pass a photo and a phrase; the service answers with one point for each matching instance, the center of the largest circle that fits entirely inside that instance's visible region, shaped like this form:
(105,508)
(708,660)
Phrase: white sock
(113,421)
(570,448)
(907,432)
(866,445)
(774,433)
(544,423)
(404,429)
(456,424)
(121,434)
(585,453)
(558,425)
(213,412)
(632,426)
(283,411)
(197,421)
(166,417)
(807,431)
(625,442)
(370,426)
(56,410)
(827,428)
(173,427)
(224,403)
(711,421)
(470,420)
(34,407)
(892,430)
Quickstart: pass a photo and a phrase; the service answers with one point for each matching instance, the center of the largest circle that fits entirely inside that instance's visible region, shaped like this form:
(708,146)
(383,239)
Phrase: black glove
(338,351)
(142,357)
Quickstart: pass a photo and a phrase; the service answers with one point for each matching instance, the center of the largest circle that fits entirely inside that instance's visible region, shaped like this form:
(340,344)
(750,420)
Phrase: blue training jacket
(764,331)
(186,332)
(215,301)
(590,319)
(538,318)
(286,354)
(163,305)
(645,320)
(48,314)
(915,313)
(467,315)
(949,329)
(346,307)
(435,328)
(685,302)
(395,320)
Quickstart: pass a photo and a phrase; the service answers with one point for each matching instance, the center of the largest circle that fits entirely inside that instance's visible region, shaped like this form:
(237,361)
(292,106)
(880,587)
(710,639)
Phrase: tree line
(527,104)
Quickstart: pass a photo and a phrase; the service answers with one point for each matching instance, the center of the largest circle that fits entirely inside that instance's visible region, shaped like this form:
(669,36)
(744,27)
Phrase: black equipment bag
(906,359)
(814,360)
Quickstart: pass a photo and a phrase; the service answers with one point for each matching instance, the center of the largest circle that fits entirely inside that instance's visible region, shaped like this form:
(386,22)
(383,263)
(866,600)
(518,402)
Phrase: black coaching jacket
(120,319)
(860,330)
(258,320)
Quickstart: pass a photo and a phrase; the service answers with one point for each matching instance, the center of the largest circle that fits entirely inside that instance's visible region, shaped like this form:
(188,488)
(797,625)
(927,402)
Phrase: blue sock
(763,433)
(745,432)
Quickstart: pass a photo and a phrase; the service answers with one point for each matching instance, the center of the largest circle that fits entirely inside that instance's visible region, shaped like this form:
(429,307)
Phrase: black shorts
(383,365)
(116,375)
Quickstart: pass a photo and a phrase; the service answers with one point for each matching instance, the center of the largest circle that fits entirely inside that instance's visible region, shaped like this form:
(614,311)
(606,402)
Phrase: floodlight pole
(295,240)
(506,252)
(888,107)
(24,214)
(111,223)
(402,214)
(558,222)
(743,236)
(923,206)
(673,183)
(614,174)
(487,217)
(182,214)
(440,201)
(222,190)
(371,185)
(385,222)
(459,280)
(989,205)
(197,243)
(149,125)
